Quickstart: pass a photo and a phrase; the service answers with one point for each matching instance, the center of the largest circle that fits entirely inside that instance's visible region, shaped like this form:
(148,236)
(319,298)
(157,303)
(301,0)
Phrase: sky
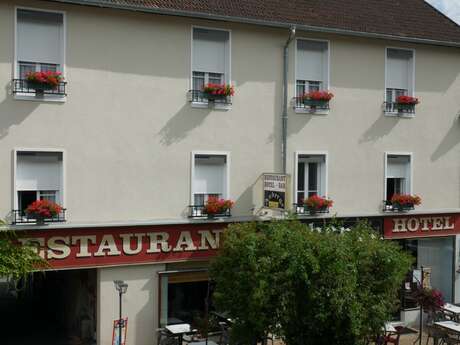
(451,8)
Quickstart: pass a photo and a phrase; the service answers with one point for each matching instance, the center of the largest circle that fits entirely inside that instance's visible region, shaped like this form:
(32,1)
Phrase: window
(398,171)
(399,74)
(311,176)
(39,42)
(183,296)
(312,66)
(210,174)
(39,176)
(210,57)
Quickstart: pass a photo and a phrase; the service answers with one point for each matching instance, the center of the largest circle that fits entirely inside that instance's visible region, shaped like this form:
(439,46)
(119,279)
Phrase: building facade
(131,148)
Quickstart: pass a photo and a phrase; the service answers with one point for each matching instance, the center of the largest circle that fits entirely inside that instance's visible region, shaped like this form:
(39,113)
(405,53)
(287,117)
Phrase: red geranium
(215,205)
(219,89)
(407,100)
(318,95)
(316,202)
(46,78)
(43,209)
(406,199)
(429,299)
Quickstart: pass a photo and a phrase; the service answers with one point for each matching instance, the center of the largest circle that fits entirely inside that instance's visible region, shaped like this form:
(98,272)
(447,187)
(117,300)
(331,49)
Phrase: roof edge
(243,20)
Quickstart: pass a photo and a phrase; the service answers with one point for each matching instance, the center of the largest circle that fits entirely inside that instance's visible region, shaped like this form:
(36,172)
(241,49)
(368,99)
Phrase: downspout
(284,116)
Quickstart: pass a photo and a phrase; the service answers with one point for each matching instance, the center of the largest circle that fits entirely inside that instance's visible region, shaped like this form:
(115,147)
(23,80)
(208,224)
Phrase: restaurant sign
(275,186)
(421,226)
(108,246)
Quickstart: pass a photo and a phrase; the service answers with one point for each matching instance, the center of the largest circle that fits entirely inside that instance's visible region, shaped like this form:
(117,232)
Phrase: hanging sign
(426,225)
(275,188)
(116,331)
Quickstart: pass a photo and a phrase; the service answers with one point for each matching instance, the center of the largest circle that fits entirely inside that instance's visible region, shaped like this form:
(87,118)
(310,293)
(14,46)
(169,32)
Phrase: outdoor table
(223,316)
(203,342)
(452,309)
(451,326)
(179,330)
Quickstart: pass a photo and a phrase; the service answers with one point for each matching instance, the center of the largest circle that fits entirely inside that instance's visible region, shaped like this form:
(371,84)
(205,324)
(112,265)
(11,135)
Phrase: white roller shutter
(39,171)
(39,36)
(399,69)
(398,167)
(311,60)
(210,51)
(210,175)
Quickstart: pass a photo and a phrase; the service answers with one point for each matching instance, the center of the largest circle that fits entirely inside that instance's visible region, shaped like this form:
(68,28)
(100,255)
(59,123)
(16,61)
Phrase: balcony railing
(22,86)
(20,217)
(398,108)
(310,105)
(303,210)
(198,96)
(200,212)
(388,206)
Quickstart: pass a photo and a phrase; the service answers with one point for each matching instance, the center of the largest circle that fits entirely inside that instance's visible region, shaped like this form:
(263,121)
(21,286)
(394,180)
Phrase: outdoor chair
(434,333)
(165,338)
(224,334)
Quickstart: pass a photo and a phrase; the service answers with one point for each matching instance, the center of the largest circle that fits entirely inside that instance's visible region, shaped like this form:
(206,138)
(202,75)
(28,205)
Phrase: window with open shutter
(398,175)
(210,176)
(399,73)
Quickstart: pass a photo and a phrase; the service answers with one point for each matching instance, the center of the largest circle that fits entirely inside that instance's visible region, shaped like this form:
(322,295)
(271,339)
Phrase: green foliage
(310,287)
(17,261)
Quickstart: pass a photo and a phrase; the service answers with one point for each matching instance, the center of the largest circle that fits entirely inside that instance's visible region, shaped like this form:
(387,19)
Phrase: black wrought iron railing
(302,209)
(399,108)
(21,217)
(22,86)
(388,206)
(198,96)
(200,212)
(311,105)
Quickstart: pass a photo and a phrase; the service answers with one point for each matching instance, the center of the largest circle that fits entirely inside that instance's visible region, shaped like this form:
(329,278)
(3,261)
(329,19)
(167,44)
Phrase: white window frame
(412,94)
(296,168)
(15,71)
(227,79)
(61,193)
(411,170)
(328,76)
(210,153)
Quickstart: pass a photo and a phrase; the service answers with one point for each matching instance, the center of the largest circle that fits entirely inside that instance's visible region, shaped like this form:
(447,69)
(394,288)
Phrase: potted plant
(406,103)
(430,300)
(402,202)
(317,98)
(214,92)
(41,81)
(215,206)
(42,209)
(315,204)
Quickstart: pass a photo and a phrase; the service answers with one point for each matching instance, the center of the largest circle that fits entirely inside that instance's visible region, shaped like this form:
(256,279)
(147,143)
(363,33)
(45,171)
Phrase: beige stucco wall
(128,129)
(140,303)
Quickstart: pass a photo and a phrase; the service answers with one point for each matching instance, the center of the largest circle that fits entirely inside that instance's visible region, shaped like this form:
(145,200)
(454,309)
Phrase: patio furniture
(452,311)
(165,338)
(179,331)
(451,332)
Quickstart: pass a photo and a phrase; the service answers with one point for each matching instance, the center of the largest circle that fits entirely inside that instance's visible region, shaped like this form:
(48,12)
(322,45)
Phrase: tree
(310,287)
(17,261)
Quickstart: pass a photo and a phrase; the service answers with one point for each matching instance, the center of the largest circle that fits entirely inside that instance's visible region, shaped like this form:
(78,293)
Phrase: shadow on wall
(380,128)
(451,139)
(184,121)
(245,198)
(12,112)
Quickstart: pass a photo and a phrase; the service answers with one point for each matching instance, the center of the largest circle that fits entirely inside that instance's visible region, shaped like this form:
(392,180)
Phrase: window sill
(396,114)
(44,99)
(311,112)
(206,105)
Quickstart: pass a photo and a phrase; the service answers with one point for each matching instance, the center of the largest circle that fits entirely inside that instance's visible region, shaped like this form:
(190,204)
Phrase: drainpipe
(284,116)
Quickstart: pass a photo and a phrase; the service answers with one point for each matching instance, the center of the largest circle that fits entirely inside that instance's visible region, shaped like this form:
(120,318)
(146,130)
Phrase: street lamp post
(121,287)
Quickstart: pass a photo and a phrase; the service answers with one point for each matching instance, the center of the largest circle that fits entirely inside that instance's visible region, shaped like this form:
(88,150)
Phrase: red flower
(43,208)
(406,199)
(318,95)
(215,205)
(219,89)
(47,78)
(317,203)
(407,100)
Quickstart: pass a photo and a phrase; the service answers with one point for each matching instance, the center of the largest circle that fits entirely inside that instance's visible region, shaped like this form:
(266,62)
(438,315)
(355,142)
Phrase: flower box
(406,104)
(316,99)
(43,81)
(404,202)
(316,204)
(42,209)
(215,207)
(213,92)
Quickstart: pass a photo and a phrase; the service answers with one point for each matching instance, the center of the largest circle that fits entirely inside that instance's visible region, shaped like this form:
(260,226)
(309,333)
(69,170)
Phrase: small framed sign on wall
(116,331)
